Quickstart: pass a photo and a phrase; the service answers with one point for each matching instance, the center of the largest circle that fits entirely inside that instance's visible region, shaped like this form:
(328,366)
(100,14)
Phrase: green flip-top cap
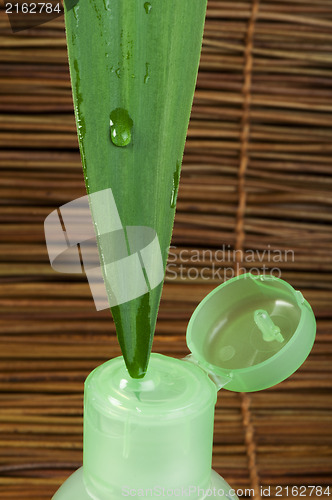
(252,332)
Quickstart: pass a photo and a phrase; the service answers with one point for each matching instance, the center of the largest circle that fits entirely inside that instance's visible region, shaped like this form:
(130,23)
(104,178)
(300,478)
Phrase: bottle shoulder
(73,488)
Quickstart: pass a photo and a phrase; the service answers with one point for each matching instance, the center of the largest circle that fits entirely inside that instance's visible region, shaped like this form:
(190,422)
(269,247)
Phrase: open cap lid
(252,331)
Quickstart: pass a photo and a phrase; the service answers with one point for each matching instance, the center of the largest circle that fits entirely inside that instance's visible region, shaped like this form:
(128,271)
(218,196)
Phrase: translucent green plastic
(155,434)
(254,331)
(146,434)
(74,489)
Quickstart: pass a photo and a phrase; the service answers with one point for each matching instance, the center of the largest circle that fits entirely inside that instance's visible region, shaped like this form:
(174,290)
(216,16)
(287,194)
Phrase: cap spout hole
(265,324)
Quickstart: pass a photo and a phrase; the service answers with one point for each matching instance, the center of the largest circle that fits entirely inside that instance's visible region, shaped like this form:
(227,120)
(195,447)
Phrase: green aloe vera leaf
(134,64)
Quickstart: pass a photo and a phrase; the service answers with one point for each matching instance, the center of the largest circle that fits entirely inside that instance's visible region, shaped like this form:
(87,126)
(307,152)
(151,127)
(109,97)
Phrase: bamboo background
(256,175)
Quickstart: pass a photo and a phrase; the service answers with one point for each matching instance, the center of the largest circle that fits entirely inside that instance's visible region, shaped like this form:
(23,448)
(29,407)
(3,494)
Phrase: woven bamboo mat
(257,176)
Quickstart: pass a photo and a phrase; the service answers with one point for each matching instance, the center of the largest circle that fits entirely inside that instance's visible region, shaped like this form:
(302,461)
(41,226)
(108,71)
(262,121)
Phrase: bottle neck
(151,436)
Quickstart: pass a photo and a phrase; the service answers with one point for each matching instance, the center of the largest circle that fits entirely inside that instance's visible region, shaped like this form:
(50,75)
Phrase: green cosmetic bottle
(153,436)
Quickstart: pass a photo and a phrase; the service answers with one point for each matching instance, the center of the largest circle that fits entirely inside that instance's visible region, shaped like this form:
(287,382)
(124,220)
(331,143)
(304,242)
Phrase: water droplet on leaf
(79,100)
(176,180)
(147,76)
(147,7)
(107,4)
(75,11)
(121,127)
